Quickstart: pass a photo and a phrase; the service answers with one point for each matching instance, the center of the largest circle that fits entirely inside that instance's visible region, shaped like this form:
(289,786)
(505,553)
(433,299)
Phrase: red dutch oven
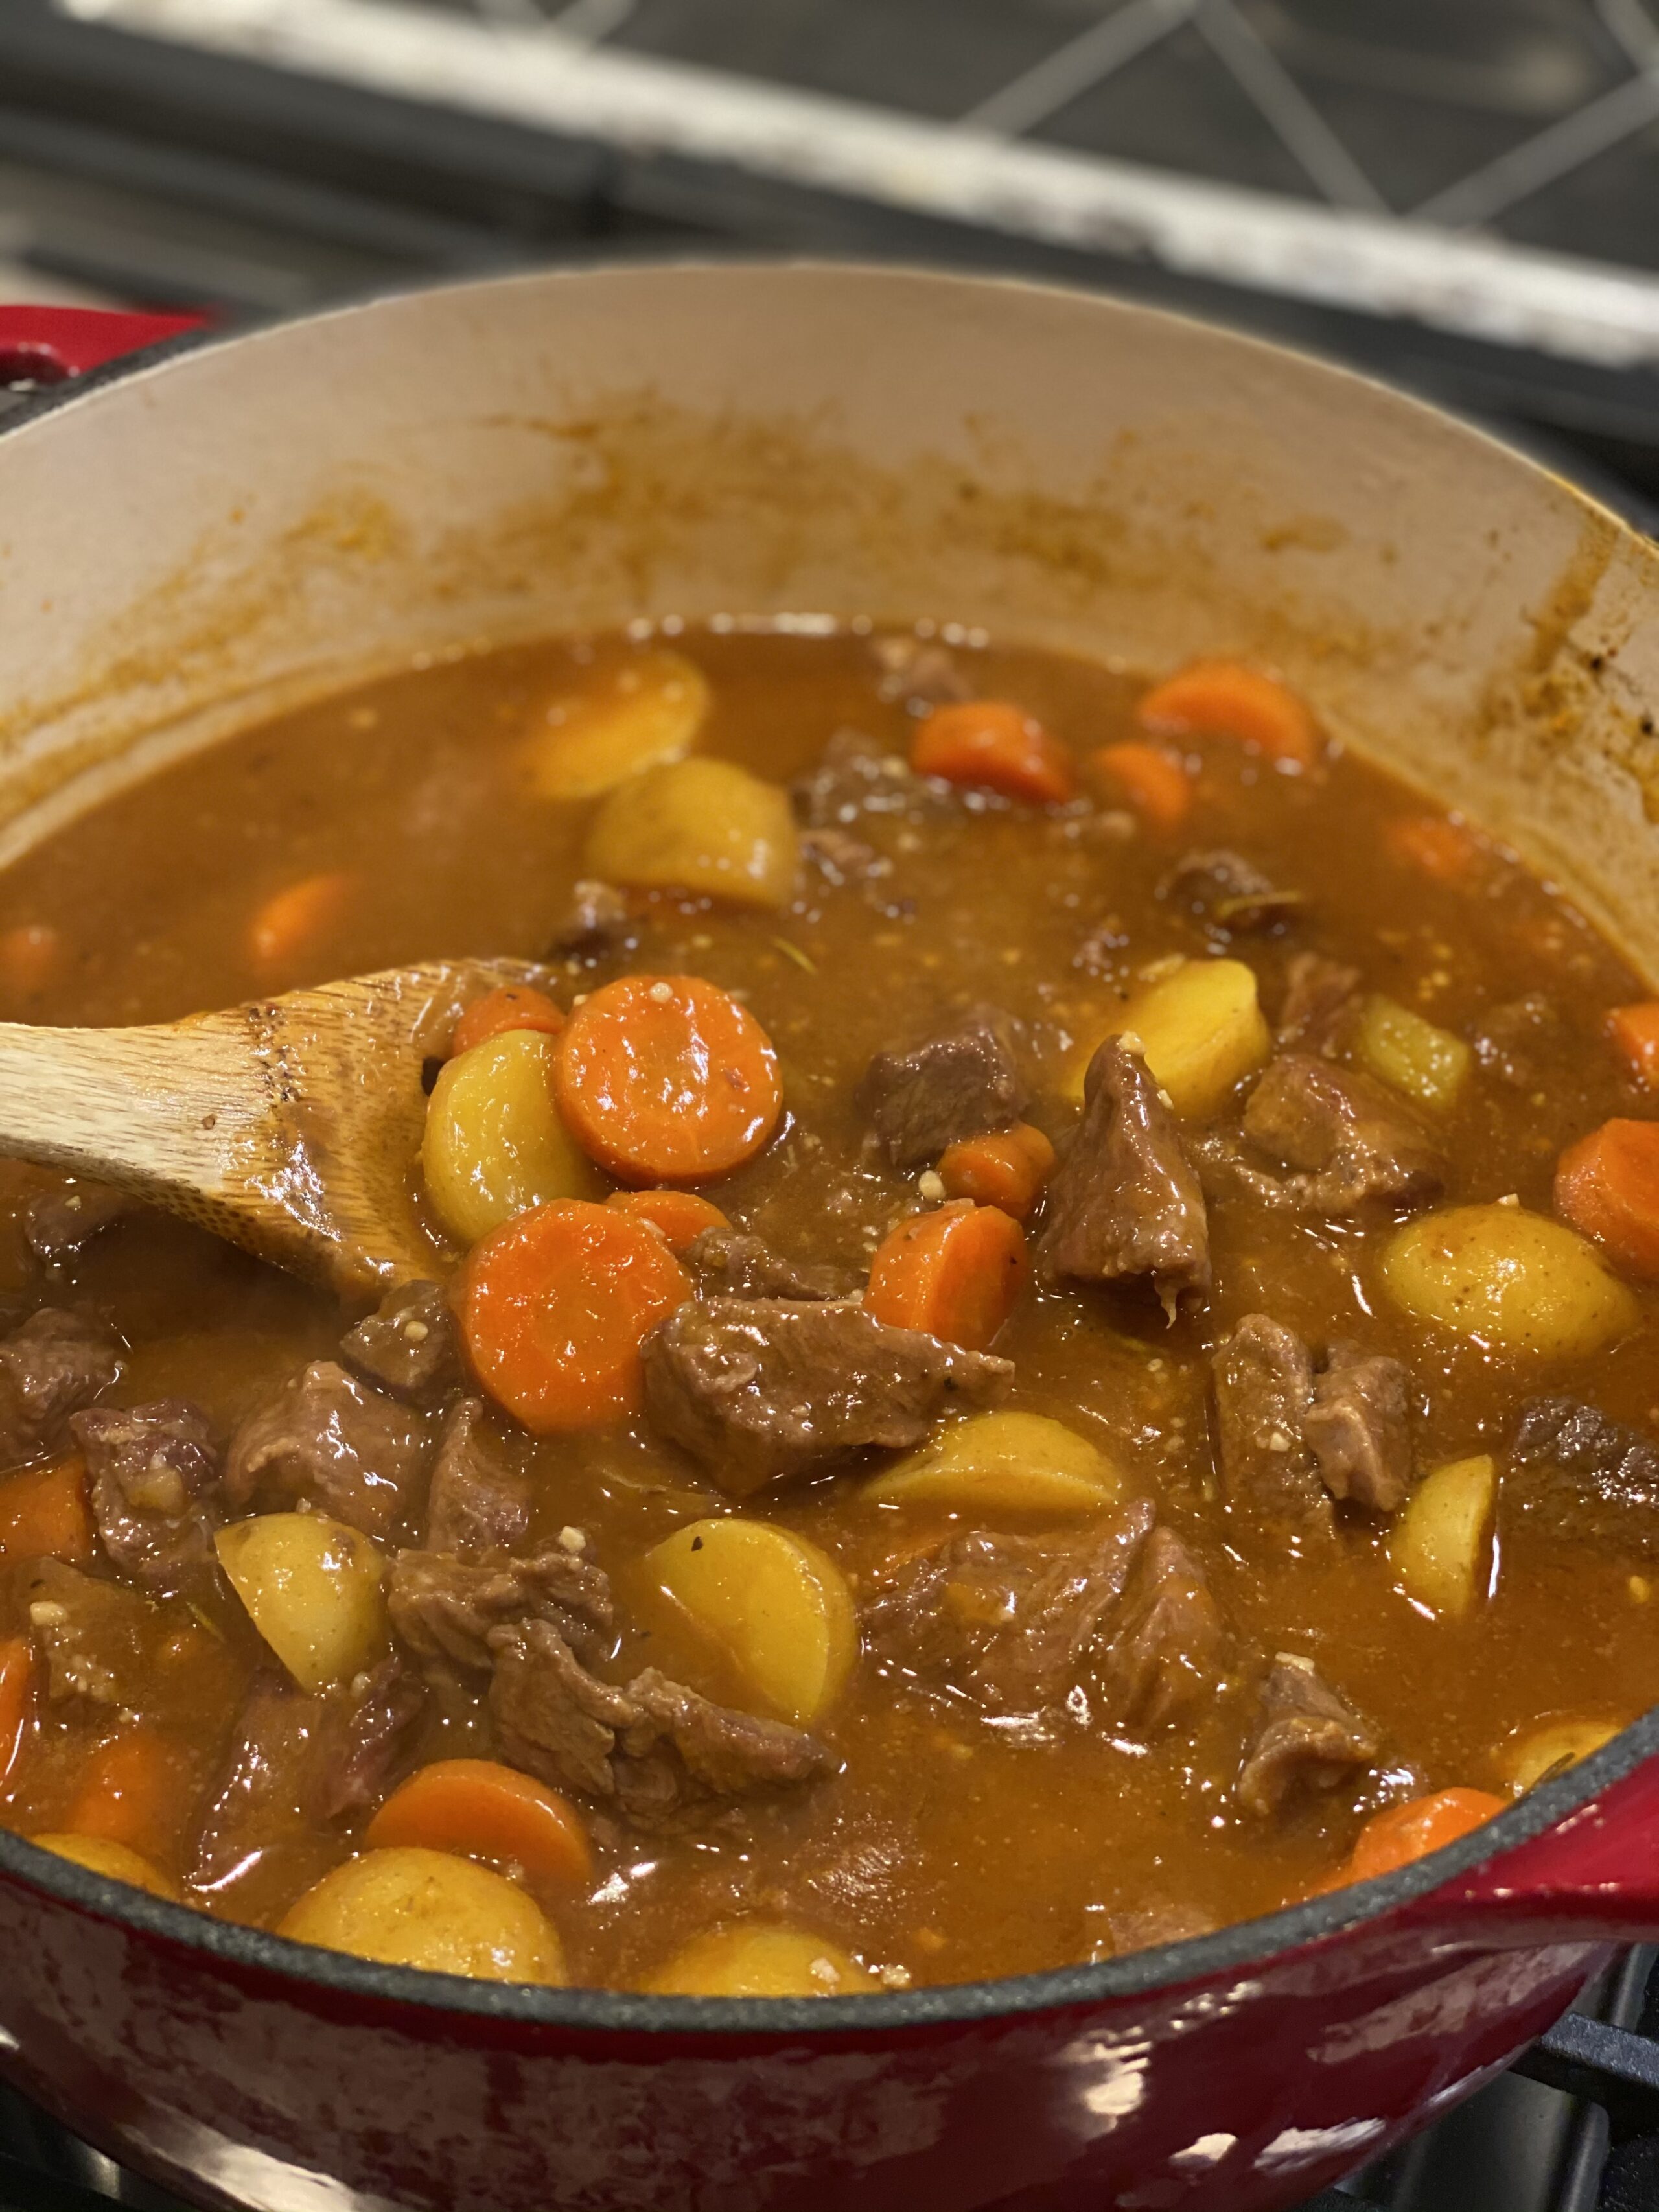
(221,529)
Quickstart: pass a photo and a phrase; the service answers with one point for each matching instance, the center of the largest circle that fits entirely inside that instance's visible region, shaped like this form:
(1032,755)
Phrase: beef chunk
(297,1763)
(657,1751)
(1125,1200)
(1307,1738)
(758,1388)
(1319,997)
(51,1367)
(91,1634)
(57,1223)
(1590,1478)
(1169,1644)
(1263,1384)
(326,1437)
(857,775)
(1359,1429)
(1007,1622)
(1350,1139)
(410,1344)
(920,670)
(730,1263)
(476,1504)
(1515,1040)
(1228,891)
(596,920)
(155,1472)
(957,1084)
(444,1607)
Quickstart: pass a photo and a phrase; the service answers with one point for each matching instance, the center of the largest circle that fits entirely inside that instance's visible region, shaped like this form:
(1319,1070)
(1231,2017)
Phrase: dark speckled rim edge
(625,2013)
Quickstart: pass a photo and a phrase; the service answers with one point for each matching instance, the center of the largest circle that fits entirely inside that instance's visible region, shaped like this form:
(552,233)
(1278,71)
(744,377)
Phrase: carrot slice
(1155,783)
(667,1079)
(44,1514)
(954,1273)
(996,746)
(16,1698)
(680,1215)
(1226,699)
(31,956)
(290,926)
(133,1792)
(1008,1169)
(481,1810)
(555,1306)
(1445,850)
(1635,1032)
(514,1006)
(1403,1833)
(1607,1186)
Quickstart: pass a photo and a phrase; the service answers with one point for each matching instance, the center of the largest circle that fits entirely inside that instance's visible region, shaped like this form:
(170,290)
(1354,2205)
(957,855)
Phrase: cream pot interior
(255,522)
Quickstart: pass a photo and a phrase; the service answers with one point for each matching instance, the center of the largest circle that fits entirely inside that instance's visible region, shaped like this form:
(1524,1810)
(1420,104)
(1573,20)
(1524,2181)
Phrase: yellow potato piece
(760,1958)
(778,1606)
(430,1909)
(1003,1463)
(1532,1753)
(1438,1546)
(633,711)
(1514,1280)
(312,1588)
(494,1142)
(117,1860)
(705,826)
(1413,1056)
(1201,1030)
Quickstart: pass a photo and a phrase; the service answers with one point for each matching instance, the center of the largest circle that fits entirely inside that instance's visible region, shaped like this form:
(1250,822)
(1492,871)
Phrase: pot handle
(1595,1873)
(48,345)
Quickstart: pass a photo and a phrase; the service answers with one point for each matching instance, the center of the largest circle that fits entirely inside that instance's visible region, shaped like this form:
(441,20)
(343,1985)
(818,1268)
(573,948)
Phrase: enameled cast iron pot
(225,530)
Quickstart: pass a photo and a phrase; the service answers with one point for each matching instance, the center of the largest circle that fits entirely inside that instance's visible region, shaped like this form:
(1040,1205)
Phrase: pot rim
(628,2013)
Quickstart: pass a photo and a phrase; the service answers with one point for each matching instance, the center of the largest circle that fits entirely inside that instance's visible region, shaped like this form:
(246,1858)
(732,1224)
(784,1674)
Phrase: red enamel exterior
(1235,2073)
(50,344)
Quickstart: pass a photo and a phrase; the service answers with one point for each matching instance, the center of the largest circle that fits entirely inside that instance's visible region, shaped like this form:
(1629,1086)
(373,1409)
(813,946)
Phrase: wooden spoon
(290,1126)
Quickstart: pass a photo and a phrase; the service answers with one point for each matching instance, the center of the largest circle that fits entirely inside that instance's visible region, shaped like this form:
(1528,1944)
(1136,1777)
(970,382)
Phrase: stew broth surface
(949,1847)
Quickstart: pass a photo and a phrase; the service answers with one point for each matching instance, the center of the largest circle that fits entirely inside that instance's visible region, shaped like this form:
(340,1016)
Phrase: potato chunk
(1531,1753)
(494,1145)
(1201,1030)
(1438,1546)
(701,825)
(1516,1281)
(103,1856)
(312,1587)
(777,1605)
(760,1958)
(1003,1463)
(634,710)
(1427,1064)
(409,1907)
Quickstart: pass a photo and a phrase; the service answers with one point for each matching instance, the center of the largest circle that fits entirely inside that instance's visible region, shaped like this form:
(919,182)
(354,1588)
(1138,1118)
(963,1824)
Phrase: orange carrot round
(996,746)
(44,1513)
(1607,1186)
(16,1698)
(1009,1168)
(555,1306)
(514,1006)
(1402,1833)
(667,1079)
(680,1215)
(1226,699)
(1155,783)
(133,1792)
(290,927)
(1435,845)
(1635,1033)
(479,1808)
(954,1273)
